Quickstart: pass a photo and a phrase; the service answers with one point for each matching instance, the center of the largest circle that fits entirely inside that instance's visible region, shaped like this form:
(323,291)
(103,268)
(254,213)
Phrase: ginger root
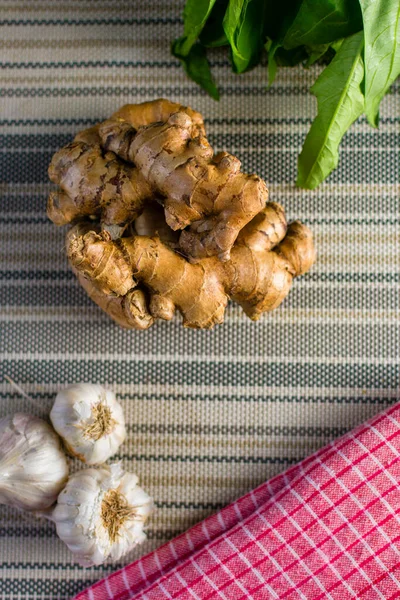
(111,170)
(205,192)
(129,311)
(163,224)
(257,276)
(94,183)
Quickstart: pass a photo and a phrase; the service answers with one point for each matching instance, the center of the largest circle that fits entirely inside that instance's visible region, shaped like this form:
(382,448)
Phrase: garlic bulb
(90,421)
(100,514)
(33,468)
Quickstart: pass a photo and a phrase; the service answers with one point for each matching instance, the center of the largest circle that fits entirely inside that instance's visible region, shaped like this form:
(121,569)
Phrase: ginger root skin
(208,193)
(157,148)
(258,276)
(97,183)
(161,224)
(94,183)
(129,311)
(146,113)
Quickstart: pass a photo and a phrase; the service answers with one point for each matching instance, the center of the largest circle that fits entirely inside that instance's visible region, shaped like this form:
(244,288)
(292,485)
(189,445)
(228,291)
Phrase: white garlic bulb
(90,421)
(100,514)
(33,468)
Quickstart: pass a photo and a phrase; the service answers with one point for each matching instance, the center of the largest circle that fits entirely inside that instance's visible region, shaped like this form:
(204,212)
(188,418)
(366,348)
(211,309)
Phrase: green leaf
(279,57)
(271,48)
(290,58)
(197,68)
(244,28)
(322,22)
(192,54)
(382,51)
(336,45)
(232,20)
(279,16)
(340,103)
(315,53)
(195,15)
(213,34)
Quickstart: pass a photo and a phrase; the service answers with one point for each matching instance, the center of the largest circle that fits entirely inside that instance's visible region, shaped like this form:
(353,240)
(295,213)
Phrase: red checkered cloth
(328,527)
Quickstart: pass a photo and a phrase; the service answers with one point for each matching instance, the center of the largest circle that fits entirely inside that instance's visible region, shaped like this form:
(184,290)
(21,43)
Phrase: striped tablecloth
(210,414)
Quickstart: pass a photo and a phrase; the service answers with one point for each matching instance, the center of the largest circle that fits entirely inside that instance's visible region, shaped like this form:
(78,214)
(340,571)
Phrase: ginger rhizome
(163,224)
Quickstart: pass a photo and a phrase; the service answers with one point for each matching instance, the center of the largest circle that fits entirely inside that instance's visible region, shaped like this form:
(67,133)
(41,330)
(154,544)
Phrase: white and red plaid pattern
(329,527)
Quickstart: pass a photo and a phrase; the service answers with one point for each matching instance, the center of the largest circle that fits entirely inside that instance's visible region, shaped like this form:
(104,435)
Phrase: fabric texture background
(210,415)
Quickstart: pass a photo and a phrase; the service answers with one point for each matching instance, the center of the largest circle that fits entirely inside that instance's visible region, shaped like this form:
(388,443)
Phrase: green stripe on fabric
(87,22)
(181,372)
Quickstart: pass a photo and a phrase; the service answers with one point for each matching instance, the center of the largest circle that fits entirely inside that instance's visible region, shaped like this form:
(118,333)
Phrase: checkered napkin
(329,527)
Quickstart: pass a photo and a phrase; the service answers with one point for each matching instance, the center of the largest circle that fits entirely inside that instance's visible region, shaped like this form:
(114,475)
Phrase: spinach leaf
(213,34)
(322,21)
(244,28)
(192,54)
(290,58)
(195,15)
(278,56)
(304,31)
(382,51)
(232,21)
(197,68)
(271,48)
(340,103)
(315,53)
(278,16)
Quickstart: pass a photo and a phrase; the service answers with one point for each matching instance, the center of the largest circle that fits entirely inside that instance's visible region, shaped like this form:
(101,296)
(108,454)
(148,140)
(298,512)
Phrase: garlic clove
(67,512)
(33,467)
(109,516)
(102,448)
(90,421)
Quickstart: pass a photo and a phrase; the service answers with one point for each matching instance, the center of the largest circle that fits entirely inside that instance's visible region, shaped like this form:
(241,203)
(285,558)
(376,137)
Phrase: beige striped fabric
(210,414)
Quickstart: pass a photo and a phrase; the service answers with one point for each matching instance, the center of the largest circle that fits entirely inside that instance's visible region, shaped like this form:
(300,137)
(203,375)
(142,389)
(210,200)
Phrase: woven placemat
(210,414)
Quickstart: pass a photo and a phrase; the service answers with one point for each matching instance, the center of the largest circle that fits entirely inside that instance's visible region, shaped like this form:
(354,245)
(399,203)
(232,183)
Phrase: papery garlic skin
(90,421)
(79,514)
(33,467)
